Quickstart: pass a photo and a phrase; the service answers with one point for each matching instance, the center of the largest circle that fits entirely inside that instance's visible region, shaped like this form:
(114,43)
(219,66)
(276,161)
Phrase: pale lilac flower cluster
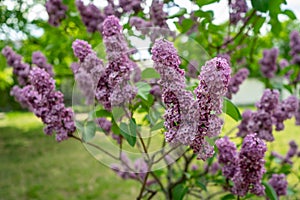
(129,170)
(214,79)
(40,60)
(188,121)
(227,156)
(156,91)
(20,69)
(268,65)
(91,16)
(140,24)
(130,5)
(270,111)
(236,80)
(88,71)
(292,152)
(113,88)
(157,14)
(104,124)
(193,69)
(295,47)
(56,11)
(279,183)
(238,9)
(250,167)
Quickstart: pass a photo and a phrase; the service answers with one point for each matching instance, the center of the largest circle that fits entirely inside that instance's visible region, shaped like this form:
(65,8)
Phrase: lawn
(35,166)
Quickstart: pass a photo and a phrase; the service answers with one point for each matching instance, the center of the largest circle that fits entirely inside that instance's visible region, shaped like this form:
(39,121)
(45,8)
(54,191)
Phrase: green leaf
(290,14)
(260,21)
(157,126)
(102,113)
(271,194)
(201,185)
(154,115)
(205,2)
(260,5)
(179,191)
(129,132)
(228,197)
(181,12)
(117,113)
(230,109)
(143,89)
(88,131)
(79,125)
(186,25)
(205,14)
(149,73)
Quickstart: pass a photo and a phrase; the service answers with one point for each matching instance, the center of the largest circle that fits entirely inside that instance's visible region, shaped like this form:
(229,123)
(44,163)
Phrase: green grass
(35,166)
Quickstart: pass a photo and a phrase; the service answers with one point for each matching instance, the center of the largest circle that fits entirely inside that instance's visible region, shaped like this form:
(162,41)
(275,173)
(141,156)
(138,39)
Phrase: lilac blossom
(236,80)
(297,115)
(40,97)
(104,124)
(91,16)
(295,47)
(56,11)
(279,183)
(243,126)
(20,69)
(113,88)
(268,101)
(285,110)
(193,69)
(156,91)
(41,61)
(268,65)
(81,49)
(238,10)
(127,169)
(181,108)
(157,15)
(250,167)
(227,156)
(130,5)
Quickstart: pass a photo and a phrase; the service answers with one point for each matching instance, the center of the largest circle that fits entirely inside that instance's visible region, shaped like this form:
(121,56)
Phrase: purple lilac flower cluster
(297,115)
(113,88)
(295,47)
(214,80)
(270,111)
(279,183)
(193,69)
(91,16)
(245,168)
(40,97)
(227,156)
(238,9)
(289,155)
(130,5)
(157,14)
(268,65)
(88,70)
(236,80)
(250,168)
(20,69)
(56,11)
(181,108)
(129,170)
(41,61)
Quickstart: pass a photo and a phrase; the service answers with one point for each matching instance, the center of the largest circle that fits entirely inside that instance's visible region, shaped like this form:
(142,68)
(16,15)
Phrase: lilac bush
(176,102)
